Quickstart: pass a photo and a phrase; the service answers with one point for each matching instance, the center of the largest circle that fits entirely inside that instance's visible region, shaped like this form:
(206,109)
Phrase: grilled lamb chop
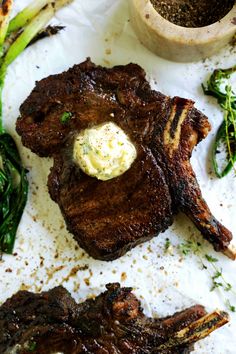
(109,218)
(112,323)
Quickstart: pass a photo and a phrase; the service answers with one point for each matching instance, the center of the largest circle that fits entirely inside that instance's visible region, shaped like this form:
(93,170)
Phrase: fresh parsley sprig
(219,87)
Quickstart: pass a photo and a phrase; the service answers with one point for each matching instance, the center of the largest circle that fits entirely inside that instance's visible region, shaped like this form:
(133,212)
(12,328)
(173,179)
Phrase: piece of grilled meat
(112,323)
(108,218)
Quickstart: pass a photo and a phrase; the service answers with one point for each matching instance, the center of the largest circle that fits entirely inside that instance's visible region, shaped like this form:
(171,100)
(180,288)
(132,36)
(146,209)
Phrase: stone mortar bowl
(178,43)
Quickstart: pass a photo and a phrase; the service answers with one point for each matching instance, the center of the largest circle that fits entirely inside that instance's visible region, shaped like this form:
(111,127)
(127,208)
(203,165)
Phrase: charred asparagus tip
(230,252)
(197,330)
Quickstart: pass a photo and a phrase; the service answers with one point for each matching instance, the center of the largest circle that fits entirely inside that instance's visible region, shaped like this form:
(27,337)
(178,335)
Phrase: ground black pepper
(193,13)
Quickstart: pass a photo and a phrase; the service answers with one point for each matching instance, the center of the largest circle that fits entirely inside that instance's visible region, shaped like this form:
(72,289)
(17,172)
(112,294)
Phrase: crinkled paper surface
(45,253)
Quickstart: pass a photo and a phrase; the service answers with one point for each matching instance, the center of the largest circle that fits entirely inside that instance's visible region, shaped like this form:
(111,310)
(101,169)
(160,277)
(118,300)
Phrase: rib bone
(197,330)
(230,252)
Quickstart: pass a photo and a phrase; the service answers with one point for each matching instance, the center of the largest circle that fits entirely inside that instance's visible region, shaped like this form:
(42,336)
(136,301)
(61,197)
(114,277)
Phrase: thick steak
(108,218)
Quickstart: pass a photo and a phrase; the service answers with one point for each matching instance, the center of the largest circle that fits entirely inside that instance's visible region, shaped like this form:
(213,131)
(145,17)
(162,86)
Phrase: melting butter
(104,151)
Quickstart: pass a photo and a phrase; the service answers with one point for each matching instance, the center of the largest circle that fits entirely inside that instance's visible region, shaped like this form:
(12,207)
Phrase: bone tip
(230,252)
(224,315)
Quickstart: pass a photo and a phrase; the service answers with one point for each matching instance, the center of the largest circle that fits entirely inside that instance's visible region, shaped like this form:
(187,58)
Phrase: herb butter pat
(104,151)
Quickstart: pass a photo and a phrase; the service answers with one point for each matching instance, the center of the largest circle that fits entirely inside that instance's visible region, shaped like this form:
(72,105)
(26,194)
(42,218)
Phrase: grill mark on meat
(109,218)
(113,322)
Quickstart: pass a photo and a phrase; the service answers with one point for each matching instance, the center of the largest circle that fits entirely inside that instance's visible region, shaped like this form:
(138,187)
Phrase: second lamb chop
(113,322)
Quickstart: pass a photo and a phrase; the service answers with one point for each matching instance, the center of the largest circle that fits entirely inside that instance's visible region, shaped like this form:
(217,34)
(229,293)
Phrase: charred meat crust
(108,218)
(111,323)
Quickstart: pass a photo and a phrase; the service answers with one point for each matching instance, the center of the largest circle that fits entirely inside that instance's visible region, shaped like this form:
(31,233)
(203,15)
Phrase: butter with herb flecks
(104,151)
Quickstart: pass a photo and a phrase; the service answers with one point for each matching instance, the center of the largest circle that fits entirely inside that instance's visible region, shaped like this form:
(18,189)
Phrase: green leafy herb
(185,248)
(13,182)
(167,245)
(189,247)
(65,117)
(228,287)
(32,346)
(13,192)
(219,87)
(211,259)
(216,274)
(230,307)
(216,285)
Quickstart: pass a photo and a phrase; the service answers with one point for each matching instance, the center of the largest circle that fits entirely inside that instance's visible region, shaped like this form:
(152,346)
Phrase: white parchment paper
(45,253)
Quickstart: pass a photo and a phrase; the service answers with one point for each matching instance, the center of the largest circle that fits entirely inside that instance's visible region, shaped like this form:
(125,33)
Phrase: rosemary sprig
(216,274)
(226,136)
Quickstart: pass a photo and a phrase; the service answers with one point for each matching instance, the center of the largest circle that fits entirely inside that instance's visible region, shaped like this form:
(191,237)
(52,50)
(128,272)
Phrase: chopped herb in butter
(65,117)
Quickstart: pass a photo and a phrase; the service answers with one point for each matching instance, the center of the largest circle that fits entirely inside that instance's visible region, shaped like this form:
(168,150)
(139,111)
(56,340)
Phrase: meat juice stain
(123,276)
